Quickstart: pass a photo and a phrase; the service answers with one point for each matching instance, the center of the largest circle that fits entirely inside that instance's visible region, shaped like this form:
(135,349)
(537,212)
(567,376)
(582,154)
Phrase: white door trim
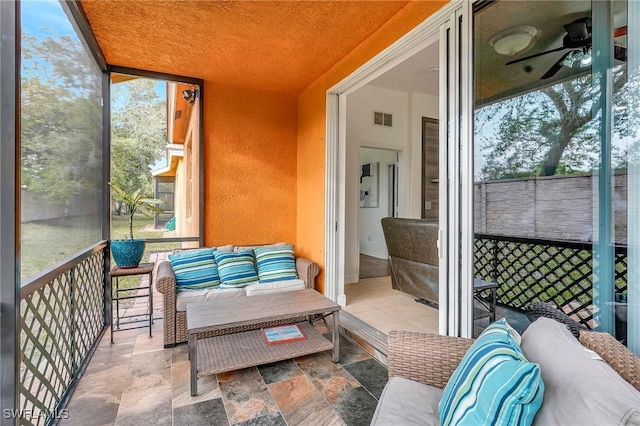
(415,40)
(466,171)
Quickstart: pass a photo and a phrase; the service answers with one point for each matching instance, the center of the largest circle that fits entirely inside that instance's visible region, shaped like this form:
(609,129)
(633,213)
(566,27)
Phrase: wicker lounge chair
(428,359)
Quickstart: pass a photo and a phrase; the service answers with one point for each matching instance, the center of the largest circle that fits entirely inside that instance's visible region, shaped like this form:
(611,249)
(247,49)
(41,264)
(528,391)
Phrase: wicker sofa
(175,319)
(420,366)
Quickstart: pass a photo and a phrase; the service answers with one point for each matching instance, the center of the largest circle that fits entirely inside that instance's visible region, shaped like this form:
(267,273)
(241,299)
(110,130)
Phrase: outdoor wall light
(190,95)
(513,40)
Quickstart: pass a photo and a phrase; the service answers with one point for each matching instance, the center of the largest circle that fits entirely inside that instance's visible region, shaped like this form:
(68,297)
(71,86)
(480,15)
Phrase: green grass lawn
(45,244)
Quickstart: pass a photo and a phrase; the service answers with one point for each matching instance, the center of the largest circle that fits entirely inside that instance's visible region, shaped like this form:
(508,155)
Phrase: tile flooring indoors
(374,301)
(135,381)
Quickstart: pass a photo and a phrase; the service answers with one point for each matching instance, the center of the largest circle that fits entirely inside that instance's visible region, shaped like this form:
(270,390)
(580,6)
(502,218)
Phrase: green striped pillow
(195,269)
(236,269)
(494,383)
(276,263)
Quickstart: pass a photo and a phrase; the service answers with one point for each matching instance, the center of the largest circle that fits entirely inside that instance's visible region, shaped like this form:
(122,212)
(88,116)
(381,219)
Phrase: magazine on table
(282,334)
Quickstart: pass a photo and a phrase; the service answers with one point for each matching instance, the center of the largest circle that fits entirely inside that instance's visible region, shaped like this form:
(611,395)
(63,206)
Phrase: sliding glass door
(555,159)
(455,235)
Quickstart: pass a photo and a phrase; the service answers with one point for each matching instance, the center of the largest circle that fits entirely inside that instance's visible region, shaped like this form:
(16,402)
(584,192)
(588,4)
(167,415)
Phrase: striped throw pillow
(276,263)
(195,269)
(494,383)
(236,269)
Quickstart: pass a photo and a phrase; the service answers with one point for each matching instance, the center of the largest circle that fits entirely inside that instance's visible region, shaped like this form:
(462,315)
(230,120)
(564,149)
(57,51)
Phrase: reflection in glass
(550,192)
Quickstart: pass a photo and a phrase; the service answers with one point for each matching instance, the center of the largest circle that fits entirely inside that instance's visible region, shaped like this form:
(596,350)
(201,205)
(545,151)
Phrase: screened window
(61,140)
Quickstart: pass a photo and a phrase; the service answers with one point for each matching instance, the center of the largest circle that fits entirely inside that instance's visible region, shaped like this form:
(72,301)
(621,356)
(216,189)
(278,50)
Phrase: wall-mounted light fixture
(190,95)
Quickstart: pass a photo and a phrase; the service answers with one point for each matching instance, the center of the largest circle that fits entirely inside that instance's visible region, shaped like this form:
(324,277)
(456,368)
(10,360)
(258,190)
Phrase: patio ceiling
(281,46)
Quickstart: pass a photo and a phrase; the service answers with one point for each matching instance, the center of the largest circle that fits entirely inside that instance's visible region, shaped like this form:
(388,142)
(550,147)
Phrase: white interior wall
(369,228)
(406,137)
(361,132)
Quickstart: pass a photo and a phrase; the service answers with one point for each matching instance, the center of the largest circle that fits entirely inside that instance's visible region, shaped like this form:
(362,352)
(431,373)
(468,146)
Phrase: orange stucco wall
(312,123)
(250,139)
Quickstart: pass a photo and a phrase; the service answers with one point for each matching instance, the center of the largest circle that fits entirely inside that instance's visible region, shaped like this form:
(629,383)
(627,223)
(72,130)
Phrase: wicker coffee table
(236,350)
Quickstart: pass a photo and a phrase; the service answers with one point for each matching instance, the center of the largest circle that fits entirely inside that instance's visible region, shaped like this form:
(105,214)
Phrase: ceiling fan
(578,41)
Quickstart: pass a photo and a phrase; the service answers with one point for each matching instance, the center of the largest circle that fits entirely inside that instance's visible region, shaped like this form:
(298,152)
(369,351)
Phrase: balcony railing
(550,271)
(63,317)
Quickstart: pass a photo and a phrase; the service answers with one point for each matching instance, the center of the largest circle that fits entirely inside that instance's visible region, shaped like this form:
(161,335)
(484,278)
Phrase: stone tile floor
(136,381)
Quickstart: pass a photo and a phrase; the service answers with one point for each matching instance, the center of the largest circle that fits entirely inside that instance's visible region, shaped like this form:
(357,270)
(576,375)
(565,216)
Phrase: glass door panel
(554,141)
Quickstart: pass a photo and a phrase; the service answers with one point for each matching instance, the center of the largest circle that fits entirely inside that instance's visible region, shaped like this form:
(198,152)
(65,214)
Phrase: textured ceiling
(276,45)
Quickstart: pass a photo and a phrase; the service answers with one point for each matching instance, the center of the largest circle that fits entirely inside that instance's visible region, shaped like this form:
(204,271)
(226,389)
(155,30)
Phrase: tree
(552,130)
(61,117)
(61,123)
(138,133)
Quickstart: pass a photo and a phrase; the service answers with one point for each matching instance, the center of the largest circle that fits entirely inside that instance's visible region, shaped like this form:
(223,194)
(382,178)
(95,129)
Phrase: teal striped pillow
(195,269)
(236,269)
(276,263)
(494,383)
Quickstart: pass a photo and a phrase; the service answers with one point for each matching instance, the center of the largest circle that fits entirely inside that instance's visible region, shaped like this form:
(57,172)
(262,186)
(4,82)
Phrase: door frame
(423,35)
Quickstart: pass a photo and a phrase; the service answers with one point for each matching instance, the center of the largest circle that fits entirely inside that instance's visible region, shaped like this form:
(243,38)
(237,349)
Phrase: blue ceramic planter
(127,253)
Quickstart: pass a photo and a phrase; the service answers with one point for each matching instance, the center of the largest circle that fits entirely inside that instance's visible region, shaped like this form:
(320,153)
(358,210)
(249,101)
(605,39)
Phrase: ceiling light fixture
(583,57)
(513,40)
(586,59)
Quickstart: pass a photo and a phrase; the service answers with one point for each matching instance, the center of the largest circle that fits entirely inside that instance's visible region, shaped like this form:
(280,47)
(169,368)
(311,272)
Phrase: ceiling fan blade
(535,56)
(555,67)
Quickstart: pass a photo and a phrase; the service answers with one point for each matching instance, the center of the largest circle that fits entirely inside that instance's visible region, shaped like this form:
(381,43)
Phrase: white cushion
(579,390)
(227,248)
(274,287)
(241,248)
(188,296)
(405,402)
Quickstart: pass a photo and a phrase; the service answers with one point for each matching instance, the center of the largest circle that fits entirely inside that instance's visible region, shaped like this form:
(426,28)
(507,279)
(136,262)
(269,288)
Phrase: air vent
(382,119)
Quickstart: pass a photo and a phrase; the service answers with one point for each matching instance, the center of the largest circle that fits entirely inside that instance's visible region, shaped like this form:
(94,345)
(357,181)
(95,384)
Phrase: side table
(479,287)
(117,272)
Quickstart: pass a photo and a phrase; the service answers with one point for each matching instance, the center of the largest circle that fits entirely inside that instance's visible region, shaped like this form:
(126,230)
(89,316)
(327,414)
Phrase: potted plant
(127,253)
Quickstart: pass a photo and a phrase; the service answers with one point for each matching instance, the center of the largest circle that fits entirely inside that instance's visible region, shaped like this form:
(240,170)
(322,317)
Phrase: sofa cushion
(195,269)
(236,269)
(405,402)
(580,387)
(245,248)
(276,263)
(274,287)
(494,383)
(189,296)
(228,247)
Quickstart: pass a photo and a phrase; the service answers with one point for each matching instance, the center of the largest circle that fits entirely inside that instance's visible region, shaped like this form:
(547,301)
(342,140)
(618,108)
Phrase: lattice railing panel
(60,322)
(47,364)
(621,271)
(553,271)
(89,302)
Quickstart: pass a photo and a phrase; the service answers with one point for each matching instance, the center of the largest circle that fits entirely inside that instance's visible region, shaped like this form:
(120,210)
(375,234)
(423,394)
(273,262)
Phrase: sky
(44,18)
(47,18)
(41,17)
